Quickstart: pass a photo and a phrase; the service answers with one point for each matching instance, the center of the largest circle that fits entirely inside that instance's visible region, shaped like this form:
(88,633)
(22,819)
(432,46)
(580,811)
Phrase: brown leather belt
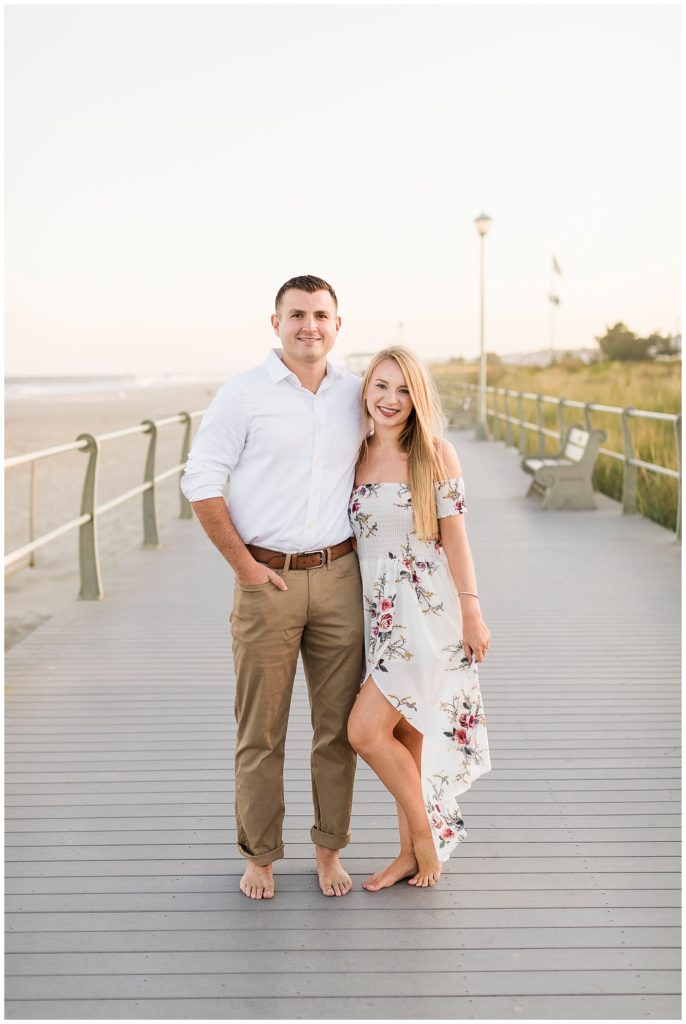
(302,560)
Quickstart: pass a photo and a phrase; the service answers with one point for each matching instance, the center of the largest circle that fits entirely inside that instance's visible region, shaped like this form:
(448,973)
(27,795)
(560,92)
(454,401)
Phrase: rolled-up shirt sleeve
(217,445)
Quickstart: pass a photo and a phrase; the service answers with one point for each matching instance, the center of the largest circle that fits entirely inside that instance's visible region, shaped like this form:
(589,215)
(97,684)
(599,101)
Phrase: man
(287,434)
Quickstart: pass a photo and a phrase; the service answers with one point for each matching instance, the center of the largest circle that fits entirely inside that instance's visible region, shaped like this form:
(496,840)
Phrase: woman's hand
(475,636)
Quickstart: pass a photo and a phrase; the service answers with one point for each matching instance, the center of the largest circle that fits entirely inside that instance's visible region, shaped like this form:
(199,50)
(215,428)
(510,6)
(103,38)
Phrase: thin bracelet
(467,593)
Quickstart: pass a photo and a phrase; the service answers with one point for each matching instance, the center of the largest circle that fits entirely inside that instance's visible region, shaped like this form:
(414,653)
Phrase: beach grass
(649,386)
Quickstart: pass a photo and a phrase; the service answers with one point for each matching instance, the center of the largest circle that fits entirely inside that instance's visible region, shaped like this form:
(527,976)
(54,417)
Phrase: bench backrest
(576,444)
(582,443)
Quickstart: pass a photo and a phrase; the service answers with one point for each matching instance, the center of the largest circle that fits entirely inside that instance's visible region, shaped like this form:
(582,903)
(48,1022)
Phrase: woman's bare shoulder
(448,456)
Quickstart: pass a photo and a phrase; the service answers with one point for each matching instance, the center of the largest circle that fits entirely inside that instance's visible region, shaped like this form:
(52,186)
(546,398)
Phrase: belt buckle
(322,557)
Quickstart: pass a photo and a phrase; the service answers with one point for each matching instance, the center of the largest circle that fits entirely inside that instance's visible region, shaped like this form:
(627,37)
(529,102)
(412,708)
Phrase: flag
(556,267)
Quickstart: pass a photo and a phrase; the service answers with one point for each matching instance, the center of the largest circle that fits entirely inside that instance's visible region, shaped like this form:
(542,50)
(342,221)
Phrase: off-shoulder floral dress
(414,650)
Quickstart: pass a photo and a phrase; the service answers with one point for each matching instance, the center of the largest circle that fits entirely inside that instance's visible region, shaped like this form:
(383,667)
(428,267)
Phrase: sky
(167,168)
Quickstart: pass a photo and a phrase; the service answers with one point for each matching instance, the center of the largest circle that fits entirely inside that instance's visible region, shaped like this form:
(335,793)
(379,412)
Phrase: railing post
(561,419)
(629,483)
(32,514)
(677,430)
(508,425)
(587,416)
(186,510)
(541,424)
(89,563)
(523,446)
(496,422)
(151,534)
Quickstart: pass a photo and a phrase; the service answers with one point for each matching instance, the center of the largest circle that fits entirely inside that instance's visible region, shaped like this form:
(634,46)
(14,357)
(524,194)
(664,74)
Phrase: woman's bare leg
(405,864)
(371,733)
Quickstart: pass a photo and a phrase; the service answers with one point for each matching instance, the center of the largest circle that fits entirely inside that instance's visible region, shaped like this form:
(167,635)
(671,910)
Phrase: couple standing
(387,620)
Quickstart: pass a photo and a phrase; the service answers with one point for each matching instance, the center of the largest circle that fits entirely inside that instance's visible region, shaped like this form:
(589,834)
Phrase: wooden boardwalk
(122,874)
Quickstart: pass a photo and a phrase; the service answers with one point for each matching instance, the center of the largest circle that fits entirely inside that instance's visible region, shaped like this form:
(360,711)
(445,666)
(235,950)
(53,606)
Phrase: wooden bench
(460,412)
(564,480)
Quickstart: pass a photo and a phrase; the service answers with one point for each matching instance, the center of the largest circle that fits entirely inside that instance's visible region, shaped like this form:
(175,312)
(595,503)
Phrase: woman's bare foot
(428,864)
(334,880)
(258,883)
(403,866)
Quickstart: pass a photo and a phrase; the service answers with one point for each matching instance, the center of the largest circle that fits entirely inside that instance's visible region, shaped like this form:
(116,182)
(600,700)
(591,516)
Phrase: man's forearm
(215,520)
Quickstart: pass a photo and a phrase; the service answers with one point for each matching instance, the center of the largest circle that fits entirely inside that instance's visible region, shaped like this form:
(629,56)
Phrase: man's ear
(276,323)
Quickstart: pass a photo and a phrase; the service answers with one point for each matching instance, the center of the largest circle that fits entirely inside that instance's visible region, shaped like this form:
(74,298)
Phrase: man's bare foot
(428,864)
(403,866)
(334,880)
(258,883)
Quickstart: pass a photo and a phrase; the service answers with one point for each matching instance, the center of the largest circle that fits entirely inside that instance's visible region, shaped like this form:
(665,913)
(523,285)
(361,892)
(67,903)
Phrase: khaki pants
(320,616)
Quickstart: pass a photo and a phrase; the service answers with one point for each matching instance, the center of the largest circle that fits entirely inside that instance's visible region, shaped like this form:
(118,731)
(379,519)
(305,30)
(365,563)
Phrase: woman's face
(388,396)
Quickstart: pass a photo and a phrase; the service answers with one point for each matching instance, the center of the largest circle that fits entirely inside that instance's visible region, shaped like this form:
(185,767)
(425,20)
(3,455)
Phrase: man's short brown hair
(305,283)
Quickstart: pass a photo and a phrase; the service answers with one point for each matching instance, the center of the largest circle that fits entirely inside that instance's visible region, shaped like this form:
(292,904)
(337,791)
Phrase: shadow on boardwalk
(563,902)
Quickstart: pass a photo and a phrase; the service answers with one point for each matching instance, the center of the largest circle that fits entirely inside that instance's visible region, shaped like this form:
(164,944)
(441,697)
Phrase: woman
(418,720)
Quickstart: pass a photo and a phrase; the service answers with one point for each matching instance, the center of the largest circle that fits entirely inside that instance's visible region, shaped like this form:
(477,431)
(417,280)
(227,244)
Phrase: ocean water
(34,387)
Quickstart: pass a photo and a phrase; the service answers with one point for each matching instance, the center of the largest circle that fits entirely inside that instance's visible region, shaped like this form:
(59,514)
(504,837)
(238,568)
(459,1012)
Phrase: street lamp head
(483,223)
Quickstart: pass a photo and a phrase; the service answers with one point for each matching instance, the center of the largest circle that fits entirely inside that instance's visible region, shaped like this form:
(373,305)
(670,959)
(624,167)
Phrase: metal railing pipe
(39,542)
(44,453)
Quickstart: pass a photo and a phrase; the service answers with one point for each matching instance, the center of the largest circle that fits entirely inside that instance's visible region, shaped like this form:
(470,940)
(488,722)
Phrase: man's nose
(310,323)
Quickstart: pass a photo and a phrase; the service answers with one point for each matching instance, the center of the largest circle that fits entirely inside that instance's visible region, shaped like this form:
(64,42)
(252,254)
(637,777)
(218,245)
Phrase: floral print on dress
(385,635)
(410,573)
(414,648)
(450,497)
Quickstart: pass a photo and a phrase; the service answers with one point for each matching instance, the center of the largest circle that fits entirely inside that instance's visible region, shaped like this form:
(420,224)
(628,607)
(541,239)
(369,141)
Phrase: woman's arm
(453,534)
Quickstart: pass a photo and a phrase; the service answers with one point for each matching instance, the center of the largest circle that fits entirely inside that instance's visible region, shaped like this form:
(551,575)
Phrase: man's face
(306,324)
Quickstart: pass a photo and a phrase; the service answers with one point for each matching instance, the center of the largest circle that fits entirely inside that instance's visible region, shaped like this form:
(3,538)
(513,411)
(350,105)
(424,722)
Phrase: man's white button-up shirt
(289,454)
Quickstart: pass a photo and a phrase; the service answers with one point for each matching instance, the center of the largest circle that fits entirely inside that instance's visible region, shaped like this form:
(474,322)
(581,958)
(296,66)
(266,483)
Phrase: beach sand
(34,594)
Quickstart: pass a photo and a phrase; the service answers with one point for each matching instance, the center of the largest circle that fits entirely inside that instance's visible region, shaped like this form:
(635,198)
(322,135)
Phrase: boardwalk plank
(567,1006)
(388,940)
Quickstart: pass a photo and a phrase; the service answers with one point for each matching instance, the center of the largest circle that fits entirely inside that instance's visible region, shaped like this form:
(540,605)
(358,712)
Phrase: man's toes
(268,894)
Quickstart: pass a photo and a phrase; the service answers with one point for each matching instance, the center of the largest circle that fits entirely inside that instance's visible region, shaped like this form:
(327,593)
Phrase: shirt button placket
(314,499)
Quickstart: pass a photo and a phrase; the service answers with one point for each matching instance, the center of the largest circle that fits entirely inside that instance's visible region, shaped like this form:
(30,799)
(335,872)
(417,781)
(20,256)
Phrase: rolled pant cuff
(261,860)
(329,842)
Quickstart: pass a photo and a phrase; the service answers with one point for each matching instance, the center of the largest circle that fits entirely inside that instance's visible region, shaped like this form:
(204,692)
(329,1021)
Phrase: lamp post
(483,223)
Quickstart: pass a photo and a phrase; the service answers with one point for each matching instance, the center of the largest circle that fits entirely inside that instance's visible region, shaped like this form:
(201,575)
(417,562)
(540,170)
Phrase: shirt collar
(278,371)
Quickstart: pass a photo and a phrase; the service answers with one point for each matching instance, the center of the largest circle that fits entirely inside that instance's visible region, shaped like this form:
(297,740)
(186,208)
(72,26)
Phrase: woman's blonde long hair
(420,438)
